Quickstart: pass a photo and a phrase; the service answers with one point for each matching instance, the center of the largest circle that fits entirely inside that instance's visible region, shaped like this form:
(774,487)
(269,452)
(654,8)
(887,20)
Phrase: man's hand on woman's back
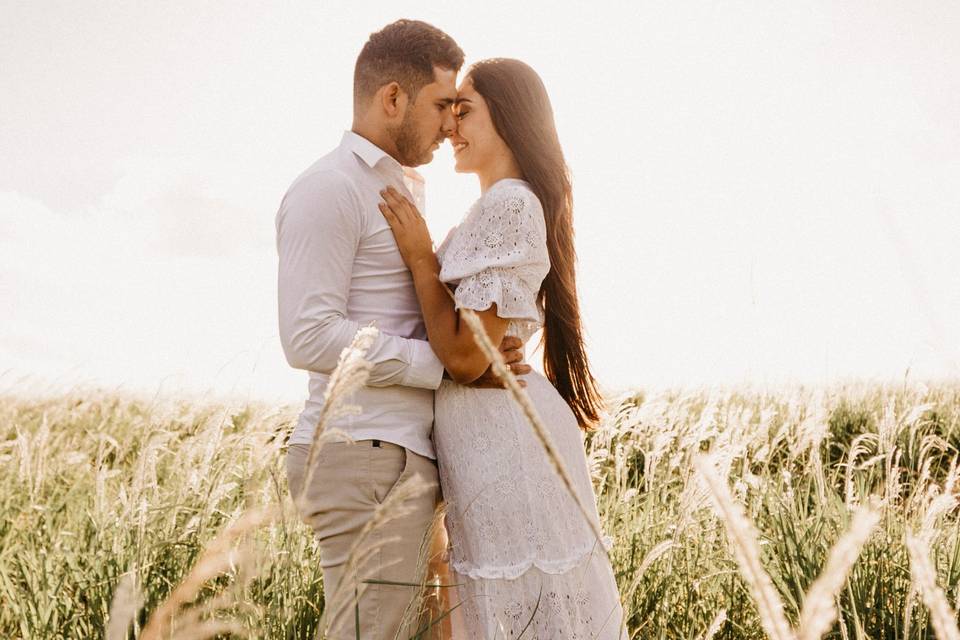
(511,348)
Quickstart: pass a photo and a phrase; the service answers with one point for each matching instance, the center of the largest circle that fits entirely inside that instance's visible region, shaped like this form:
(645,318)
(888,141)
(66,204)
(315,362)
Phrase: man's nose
(449,125)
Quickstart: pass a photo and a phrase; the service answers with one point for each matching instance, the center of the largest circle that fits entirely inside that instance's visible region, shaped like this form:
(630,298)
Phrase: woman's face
(477,148)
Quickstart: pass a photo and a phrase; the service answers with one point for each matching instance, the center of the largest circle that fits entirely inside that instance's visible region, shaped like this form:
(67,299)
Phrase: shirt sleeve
(319,227)
(501,256)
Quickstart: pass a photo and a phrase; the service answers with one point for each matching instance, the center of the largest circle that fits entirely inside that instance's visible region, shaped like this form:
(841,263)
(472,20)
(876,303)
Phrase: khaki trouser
(350,481)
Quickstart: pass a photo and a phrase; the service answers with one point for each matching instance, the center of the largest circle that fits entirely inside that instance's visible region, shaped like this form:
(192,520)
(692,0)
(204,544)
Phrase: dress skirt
(525,557)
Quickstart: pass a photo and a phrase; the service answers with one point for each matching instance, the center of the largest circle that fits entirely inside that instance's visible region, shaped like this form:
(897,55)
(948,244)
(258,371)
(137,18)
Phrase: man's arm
(319,226)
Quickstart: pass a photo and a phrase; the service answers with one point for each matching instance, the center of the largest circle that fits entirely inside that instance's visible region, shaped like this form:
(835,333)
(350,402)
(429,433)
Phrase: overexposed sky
(765,191)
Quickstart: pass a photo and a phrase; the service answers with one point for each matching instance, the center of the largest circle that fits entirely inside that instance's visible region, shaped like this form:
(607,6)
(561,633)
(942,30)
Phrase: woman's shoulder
(507,188)
(510,196)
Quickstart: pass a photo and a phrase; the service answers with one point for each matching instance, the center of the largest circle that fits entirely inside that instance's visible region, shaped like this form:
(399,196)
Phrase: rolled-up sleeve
(319,227)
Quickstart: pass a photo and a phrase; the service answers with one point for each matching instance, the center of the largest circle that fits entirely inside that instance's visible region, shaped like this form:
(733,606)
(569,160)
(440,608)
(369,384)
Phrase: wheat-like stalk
(351,373)
(819,608)
(652,556)
(210,629)
(744,540)
(434,595)
(218,557)
(530,412)
(201,620)
(718,621)
(942,616)
(858,445)
(127,600)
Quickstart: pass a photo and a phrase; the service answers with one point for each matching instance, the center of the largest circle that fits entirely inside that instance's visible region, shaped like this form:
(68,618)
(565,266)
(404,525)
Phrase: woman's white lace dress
(519,545)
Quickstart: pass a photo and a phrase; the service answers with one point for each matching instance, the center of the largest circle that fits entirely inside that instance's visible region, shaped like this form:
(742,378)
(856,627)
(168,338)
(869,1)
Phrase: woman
(520,547)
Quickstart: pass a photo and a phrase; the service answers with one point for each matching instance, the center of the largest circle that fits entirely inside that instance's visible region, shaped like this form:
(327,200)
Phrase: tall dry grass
(110,501)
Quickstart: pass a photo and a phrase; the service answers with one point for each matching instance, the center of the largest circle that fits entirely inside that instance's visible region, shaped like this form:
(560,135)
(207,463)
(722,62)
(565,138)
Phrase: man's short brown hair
(405,51)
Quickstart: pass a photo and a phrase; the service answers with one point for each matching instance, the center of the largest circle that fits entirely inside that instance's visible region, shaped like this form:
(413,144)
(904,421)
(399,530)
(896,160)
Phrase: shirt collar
(366,150)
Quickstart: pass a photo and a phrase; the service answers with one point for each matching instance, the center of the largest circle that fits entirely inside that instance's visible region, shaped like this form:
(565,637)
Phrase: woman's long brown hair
(521,113)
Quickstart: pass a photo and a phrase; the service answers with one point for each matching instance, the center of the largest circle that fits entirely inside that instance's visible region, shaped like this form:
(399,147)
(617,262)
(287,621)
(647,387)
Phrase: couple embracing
(354,250)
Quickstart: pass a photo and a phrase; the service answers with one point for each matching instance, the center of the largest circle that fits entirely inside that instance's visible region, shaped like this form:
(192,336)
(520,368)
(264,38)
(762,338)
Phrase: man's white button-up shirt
(339,270)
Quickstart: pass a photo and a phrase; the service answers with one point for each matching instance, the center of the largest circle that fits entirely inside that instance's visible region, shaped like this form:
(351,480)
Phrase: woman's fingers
(392,219)
(400,204)
(394,205)
(386,211)
(394,199)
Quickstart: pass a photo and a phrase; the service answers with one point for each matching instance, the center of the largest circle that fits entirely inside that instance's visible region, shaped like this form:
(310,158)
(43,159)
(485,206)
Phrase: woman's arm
(451,340)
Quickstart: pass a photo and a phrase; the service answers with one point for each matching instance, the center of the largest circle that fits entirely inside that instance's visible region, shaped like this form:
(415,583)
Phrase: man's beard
(408,144)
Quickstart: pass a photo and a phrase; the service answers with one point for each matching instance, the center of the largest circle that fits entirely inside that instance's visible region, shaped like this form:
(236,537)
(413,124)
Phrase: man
(339,269)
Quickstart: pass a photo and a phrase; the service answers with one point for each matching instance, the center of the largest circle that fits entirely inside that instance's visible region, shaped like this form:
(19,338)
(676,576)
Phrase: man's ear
(393,99)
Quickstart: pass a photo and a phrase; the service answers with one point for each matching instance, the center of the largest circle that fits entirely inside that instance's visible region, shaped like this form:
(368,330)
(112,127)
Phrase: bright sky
(764,191)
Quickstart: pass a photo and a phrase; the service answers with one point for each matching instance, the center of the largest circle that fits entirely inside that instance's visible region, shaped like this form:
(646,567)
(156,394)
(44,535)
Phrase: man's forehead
(444,83)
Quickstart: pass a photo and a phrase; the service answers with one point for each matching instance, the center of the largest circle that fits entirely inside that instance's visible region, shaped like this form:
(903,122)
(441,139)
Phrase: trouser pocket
(296,463)
(389,466)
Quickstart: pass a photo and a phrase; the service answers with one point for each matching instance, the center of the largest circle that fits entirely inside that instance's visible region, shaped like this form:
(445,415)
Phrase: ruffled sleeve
(499,254)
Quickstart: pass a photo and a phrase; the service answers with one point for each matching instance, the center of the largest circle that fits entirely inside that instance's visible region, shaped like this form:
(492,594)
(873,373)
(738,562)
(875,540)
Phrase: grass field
(110,501)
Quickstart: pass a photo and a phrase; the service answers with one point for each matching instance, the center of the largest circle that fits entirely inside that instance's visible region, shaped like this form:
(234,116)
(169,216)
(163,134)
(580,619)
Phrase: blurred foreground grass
(96,486)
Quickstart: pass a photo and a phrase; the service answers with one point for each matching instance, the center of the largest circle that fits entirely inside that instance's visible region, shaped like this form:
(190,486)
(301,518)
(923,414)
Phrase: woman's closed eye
(461,114)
